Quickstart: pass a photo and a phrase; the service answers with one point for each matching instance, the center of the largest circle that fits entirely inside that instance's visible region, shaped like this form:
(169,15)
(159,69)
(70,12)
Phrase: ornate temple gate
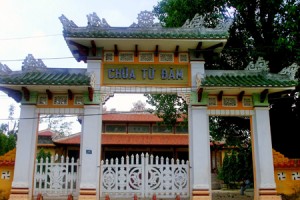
(143,58)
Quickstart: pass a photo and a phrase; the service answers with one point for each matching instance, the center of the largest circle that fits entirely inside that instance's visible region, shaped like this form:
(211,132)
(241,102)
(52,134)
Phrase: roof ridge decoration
(145,20)
(95,21)
(198,22)
(260,65)
(4,69)
(290,71)
(67,24)
(32,64)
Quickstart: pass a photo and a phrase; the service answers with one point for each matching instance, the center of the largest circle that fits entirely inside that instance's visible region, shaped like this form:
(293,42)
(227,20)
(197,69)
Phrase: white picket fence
(56,177)
(144,176)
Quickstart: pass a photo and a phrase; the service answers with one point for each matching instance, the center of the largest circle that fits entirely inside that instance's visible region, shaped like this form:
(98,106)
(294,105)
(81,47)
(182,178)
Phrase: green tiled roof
(49,76)
(252,80)
(144,33)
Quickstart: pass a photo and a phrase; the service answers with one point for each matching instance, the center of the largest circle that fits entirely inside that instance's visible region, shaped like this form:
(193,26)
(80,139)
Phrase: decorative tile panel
(296,176)
(109,56)
(60,100)
(166,57)
(146,57)
(247,102)
(229,101)
(281,176)
(183,57)
(42,100)
(212,101)
(126,57)
(78,100)
(5,175)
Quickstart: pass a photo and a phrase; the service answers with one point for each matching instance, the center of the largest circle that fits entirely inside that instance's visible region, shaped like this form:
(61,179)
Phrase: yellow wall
(284,169)
(6,173)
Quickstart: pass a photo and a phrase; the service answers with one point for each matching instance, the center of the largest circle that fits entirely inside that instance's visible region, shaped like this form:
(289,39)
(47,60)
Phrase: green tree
(260,28)
(8,136)
(7,143)
(169,107)
(42,154)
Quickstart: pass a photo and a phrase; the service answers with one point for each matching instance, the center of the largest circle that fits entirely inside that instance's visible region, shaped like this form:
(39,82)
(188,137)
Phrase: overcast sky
(33,27)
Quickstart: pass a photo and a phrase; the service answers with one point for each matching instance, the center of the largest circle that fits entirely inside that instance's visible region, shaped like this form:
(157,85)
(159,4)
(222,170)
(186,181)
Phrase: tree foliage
(260,28)
(266,28)
(42,155)
(237,167)
(169,107)
(7,143)
(8,135)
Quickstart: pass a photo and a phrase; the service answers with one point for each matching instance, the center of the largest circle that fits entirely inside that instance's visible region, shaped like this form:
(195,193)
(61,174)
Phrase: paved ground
(232,195)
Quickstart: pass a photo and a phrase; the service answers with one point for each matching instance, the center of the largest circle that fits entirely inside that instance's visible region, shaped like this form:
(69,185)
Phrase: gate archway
(146,58)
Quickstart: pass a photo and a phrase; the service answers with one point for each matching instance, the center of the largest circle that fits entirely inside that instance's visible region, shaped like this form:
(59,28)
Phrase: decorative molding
(186,97)
(260,65)
(145,20)
(199,22)
(109,57)
(105,97)
(32,64)
(290,71)
(4,69)
(183,57)
(247,102)
(67,24)
(126,57)
(230,112)
(146,57)
(212,101)
(42,99)
(78,100)
(228,101)
(72,111)
(60,99)
(198,78)
(166,57)
(95,21)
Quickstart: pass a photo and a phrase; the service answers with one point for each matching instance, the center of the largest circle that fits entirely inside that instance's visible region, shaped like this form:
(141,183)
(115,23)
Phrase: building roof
(145,36)
(144,29)
(247,80)
(133,117)
(46,132)
(48,76)
(72,139)
(45,137)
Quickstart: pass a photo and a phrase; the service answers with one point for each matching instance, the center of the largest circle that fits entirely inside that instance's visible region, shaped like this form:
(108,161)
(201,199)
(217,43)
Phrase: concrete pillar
(25,154)
(263,157)
(90,150)
(199,153)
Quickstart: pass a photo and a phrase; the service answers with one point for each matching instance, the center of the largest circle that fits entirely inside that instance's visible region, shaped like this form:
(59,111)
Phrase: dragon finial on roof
(67,24)
(4,69)
(95,21)
(31,64)
(290,71)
